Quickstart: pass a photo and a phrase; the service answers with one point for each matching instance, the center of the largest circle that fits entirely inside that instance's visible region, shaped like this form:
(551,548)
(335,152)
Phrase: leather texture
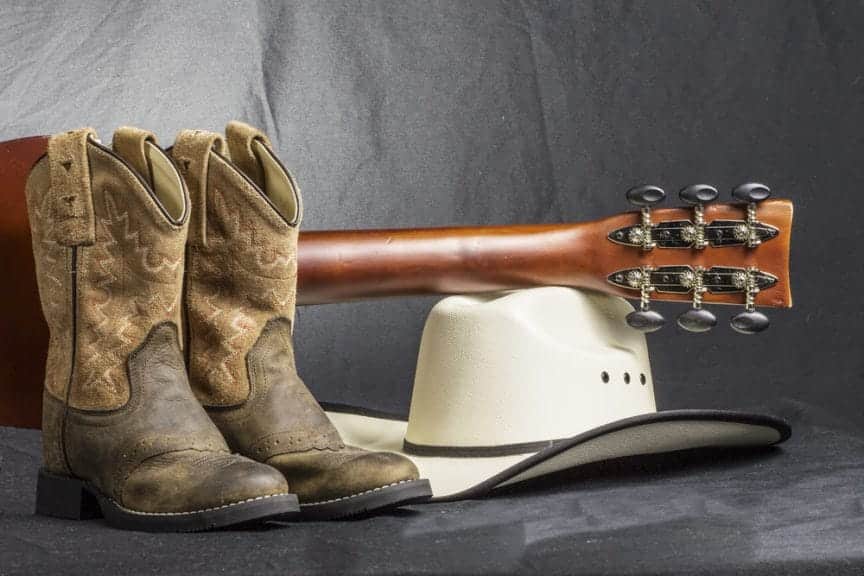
(129,277)
(241,270)
(128,280)
(160,452)
(53,418)
(240,138)
(53,263)
(71,198)
(128,142)
(280,415)
(326,475)
(240,300)
(118,410)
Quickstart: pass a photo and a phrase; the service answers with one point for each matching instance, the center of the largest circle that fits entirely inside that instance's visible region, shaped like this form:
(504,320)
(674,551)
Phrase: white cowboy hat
(511,386)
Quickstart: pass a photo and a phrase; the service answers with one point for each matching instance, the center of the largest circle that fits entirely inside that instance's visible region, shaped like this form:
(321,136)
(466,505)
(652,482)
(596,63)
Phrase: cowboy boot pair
(123,434)
(240,294)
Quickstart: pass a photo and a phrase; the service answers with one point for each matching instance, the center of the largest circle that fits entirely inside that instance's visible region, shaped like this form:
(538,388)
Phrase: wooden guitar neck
(350,265)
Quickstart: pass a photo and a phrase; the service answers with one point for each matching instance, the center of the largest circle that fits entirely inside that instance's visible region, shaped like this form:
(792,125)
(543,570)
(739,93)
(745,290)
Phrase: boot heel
(62,497)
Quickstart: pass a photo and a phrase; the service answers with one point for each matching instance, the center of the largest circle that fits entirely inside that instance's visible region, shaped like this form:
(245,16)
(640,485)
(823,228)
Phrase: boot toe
(381,468)
(190,481)
(245,479)
(329,474)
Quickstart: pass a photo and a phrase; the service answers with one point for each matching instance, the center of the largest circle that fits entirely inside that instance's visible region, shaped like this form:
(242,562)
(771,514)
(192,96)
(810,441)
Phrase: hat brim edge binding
(525,465)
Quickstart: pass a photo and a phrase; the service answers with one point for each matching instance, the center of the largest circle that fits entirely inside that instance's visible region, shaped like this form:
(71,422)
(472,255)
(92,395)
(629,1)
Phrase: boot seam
(73,358)
(187,319)
(371,490)
(198,511)
(313,440)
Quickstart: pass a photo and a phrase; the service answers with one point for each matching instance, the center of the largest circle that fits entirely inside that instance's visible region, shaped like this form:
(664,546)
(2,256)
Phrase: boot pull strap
(129,144)
(191,152)
(252,152)
(241,137)
(71,197)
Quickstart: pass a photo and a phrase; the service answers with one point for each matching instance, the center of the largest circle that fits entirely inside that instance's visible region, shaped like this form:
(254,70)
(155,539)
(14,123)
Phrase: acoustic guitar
(704,253)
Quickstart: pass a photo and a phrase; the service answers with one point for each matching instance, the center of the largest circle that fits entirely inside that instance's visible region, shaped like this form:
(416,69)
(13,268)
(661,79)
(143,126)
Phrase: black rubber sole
(371,501)
(74,499)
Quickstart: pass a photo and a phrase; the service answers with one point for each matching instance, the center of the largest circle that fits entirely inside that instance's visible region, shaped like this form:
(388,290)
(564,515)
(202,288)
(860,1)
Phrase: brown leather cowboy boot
(122,432)
(239,299)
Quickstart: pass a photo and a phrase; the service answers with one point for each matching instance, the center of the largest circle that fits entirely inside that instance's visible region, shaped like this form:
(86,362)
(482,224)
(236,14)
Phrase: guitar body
(352,265)
(24,342)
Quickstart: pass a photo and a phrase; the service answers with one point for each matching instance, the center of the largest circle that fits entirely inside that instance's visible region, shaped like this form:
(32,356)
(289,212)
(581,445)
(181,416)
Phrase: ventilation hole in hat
(626,377)
(642,379)
(604,376)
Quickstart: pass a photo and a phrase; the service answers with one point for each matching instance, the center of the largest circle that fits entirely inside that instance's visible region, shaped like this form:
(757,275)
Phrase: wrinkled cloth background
(400,114)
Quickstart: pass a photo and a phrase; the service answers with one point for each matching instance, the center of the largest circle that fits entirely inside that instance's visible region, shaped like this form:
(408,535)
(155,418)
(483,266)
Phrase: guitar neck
(351,265)
(341,266)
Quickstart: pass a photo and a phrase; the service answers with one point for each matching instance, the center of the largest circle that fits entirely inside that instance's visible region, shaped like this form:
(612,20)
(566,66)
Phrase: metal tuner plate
(682,279)
(683,233)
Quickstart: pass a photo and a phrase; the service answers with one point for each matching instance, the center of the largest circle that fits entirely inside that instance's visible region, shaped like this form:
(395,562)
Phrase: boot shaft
(242,255)
(109,246)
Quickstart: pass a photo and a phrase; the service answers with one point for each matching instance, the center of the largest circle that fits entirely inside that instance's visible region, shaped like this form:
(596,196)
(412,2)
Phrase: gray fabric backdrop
(397,114)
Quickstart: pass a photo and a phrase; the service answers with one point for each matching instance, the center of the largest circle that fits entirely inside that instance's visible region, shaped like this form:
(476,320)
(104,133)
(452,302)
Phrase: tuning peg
(645,197)
(750,321)
(752,193)
(697,196)
(697,319)
(644,319)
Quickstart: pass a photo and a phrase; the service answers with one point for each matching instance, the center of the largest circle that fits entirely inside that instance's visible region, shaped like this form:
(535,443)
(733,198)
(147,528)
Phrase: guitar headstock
(704,253)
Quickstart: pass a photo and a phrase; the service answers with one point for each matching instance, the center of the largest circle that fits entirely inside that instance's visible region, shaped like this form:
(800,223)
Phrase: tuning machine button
(750,321)
(752,193)
(644,319)
(644,197)
(697,319)
(697,196)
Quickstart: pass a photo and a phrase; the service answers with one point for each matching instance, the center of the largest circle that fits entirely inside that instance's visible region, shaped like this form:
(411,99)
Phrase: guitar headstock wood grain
(734,253)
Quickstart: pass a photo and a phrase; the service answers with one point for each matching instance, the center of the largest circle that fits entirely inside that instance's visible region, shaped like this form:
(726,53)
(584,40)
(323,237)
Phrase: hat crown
(525,367)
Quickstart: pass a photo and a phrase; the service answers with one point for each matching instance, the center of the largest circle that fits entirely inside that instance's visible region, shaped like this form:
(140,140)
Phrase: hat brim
(470,476)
